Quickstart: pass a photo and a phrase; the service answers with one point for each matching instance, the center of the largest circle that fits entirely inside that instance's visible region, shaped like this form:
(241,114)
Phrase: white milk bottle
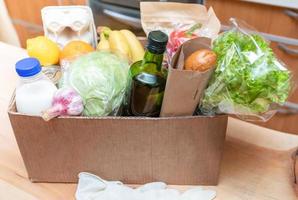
(35,91)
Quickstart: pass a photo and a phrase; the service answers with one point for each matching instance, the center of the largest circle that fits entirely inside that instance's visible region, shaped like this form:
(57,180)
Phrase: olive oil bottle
(148,79)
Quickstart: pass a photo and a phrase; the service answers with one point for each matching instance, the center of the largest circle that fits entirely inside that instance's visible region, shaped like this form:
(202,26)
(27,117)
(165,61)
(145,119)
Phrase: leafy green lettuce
(100,78)
(248,78)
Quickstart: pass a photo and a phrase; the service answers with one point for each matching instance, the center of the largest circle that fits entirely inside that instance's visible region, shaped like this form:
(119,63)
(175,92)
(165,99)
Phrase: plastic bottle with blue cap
(35,91)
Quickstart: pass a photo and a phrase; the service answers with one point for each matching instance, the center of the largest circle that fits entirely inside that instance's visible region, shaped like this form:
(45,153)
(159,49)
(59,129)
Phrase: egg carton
(63,24)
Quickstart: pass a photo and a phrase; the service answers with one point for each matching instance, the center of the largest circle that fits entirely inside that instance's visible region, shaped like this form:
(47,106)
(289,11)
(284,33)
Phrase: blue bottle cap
(28,67)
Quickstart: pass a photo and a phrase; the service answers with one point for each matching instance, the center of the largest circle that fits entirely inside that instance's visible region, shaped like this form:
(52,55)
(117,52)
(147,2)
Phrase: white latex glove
(92,187)
(198,194)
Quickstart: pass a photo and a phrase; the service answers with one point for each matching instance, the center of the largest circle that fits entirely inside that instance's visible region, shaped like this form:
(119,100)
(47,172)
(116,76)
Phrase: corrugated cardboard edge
(11,110)
(11,102)
(295,170)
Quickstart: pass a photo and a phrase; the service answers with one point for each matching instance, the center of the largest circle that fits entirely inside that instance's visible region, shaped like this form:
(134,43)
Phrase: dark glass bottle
(148,79)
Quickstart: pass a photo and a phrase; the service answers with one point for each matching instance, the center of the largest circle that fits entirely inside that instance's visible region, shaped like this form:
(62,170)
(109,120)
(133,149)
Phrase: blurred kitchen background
(277,20)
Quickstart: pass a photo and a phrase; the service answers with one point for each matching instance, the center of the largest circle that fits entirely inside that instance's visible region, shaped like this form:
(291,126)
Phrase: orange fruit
(74,49)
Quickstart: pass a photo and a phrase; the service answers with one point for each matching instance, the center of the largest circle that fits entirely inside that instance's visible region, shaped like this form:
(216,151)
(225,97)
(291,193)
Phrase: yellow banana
(118,43)
(105,30)
(103,43)
(136,48)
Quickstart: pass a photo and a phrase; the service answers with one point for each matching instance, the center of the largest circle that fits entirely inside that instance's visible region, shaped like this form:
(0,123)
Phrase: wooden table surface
(256,164)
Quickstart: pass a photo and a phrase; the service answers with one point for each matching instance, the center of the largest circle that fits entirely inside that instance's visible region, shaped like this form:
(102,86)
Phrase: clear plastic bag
(100,78)
(249,81)
(180,35)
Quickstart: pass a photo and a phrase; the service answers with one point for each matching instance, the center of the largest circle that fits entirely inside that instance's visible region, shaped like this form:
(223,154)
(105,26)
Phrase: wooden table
(256,163)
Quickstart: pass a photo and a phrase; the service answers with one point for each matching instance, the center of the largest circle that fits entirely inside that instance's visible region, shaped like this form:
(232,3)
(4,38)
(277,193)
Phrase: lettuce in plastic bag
(248,81)
(100,78)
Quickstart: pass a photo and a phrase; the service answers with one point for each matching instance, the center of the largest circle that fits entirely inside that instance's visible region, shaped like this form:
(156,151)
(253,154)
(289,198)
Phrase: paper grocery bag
(168,16)
(184,88)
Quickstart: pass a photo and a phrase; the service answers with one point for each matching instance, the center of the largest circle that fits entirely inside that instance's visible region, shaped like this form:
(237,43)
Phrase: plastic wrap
(180,35)
(249,81)
(101,79)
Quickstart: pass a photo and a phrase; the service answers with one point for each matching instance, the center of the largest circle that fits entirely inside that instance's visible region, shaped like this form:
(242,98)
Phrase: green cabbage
(248,79)
(100,78)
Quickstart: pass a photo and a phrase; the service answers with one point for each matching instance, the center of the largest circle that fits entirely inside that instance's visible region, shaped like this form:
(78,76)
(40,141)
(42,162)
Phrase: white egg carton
(63,24)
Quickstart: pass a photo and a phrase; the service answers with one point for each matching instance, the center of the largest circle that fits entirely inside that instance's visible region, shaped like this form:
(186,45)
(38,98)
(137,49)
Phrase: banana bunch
(123,42)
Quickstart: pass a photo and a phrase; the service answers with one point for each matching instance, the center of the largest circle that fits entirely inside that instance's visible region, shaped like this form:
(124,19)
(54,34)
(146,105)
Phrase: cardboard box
(176,150)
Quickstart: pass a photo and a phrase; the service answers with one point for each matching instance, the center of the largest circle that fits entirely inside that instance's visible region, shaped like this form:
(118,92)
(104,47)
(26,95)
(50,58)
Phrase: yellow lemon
(43,49)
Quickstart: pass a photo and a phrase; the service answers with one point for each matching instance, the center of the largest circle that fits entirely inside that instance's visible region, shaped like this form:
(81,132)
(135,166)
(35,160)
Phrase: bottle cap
(28,67)
(157,42)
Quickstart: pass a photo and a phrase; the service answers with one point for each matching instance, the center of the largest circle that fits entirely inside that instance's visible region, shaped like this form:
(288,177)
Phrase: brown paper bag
(184,88)
(167,16)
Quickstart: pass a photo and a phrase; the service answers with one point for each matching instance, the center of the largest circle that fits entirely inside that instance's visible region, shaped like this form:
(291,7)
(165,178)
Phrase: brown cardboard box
(178,150)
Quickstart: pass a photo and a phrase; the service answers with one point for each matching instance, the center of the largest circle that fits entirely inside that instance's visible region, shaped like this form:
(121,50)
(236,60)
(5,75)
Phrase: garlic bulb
(66,101)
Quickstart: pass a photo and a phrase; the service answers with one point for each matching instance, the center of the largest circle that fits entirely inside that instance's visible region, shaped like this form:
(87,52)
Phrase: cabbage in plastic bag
(249,81)
(100,78)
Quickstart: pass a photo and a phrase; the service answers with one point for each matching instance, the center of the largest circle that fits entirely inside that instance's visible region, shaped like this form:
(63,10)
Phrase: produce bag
(181,21)
(100,78)
(184,88)
(249,80)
